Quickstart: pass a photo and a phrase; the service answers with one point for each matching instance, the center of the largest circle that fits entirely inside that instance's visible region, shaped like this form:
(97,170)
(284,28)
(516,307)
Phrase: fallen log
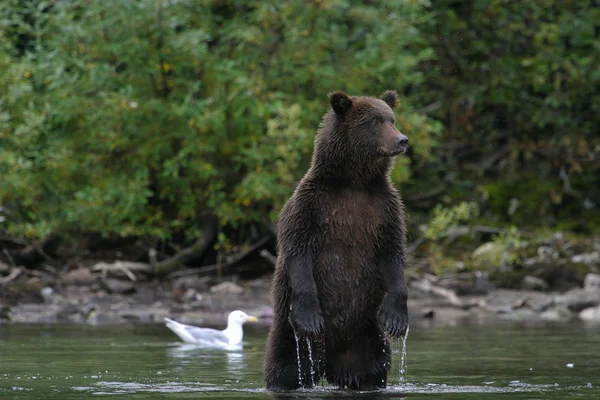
(14,274)
(427,287)
(209,232)
(229,261)
(126,267)
(36,252)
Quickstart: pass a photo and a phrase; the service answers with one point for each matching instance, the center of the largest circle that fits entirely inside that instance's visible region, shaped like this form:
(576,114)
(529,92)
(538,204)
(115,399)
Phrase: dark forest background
(171,132)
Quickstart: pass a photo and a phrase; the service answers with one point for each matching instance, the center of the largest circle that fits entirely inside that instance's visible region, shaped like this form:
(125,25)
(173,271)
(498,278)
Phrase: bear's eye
(376,121)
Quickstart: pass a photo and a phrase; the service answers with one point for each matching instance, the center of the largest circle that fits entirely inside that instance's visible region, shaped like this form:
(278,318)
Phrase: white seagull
(231,336)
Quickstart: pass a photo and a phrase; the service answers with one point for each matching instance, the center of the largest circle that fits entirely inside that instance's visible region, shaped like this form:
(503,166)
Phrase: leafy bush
(140,118)
(517,87)
(445,218)
(502,251)
(143,118)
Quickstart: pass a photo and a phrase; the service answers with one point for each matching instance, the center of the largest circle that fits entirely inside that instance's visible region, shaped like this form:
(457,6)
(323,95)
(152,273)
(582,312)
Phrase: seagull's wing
(180,330)
(207,334)
(194,334)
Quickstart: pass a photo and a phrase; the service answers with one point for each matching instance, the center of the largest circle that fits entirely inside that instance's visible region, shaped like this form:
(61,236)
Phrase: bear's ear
(340,102)
(390,97)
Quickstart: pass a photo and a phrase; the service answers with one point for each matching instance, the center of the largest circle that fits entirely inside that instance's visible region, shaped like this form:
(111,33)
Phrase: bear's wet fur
(339,281)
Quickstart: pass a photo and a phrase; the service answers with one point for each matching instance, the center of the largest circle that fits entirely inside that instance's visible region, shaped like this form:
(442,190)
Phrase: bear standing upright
(339,286)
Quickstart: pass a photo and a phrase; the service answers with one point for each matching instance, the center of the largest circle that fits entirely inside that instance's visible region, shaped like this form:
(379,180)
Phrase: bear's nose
(402,141)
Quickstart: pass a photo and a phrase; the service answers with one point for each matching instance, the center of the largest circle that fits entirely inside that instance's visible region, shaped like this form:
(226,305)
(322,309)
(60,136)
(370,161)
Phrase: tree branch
(229,261)
(209,232)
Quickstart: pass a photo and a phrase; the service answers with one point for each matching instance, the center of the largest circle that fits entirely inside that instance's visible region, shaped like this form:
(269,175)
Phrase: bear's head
(358,135)
(370,121)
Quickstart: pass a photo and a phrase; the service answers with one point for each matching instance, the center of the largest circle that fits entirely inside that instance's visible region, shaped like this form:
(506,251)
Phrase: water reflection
(338,394)
(191,350)
(236,364)
(234,361)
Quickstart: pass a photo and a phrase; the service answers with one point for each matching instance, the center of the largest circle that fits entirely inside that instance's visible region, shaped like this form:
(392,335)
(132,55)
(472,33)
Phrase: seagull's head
(240,318)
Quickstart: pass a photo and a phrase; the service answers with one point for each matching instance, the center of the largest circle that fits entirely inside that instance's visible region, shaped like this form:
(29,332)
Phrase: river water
(494,361)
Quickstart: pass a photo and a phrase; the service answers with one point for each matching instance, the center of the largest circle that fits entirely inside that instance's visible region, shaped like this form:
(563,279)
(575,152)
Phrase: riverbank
(550,279)
(85,298)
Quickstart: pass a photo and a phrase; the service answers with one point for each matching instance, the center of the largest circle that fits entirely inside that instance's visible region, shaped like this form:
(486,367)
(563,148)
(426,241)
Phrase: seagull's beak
(251,318)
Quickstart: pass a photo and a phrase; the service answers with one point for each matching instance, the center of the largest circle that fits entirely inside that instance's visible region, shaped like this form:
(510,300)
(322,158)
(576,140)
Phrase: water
(310,359)
(489,362)
(298,356)
(403,365)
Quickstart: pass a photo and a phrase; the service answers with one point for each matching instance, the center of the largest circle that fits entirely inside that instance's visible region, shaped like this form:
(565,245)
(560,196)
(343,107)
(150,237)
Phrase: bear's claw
(307,323)
(394,322)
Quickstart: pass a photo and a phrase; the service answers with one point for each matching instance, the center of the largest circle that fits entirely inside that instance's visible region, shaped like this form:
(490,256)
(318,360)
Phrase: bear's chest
(352,220)
(346,270)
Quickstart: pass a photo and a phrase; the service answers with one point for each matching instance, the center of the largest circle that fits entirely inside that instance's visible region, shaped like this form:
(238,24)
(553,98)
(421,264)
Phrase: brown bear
(339,286)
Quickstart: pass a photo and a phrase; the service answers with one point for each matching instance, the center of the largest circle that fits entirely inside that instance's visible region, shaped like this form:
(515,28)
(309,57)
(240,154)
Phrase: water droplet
(312,371)
(403,366)
(298,356)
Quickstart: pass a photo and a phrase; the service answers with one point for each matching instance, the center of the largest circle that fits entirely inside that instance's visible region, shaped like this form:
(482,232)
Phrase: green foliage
(440,227)
(142,117)
(138,118)
(444,218)
(273,174)
(518,89)
(501,251)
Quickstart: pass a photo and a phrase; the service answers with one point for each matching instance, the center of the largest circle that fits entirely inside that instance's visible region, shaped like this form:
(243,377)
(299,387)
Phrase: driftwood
(266,254)
(427,287)
(209,232)
(229,261)
(126,267)
(36,252)
(14,274)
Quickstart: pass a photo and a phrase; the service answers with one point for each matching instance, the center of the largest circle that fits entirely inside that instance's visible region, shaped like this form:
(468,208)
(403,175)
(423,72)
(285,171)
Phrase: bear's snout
(401,144)
(402,141)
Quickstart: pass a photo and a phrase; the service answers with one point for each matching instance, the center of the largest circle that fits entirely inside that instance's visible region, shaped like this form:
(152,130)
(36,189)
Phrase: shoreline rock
(90,296)
(151,302)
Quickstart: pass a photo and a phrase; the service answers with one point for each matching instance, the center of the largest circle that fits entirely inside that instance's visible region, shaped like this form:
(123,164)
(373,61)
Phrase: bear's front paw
(393,320)
(307,322)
